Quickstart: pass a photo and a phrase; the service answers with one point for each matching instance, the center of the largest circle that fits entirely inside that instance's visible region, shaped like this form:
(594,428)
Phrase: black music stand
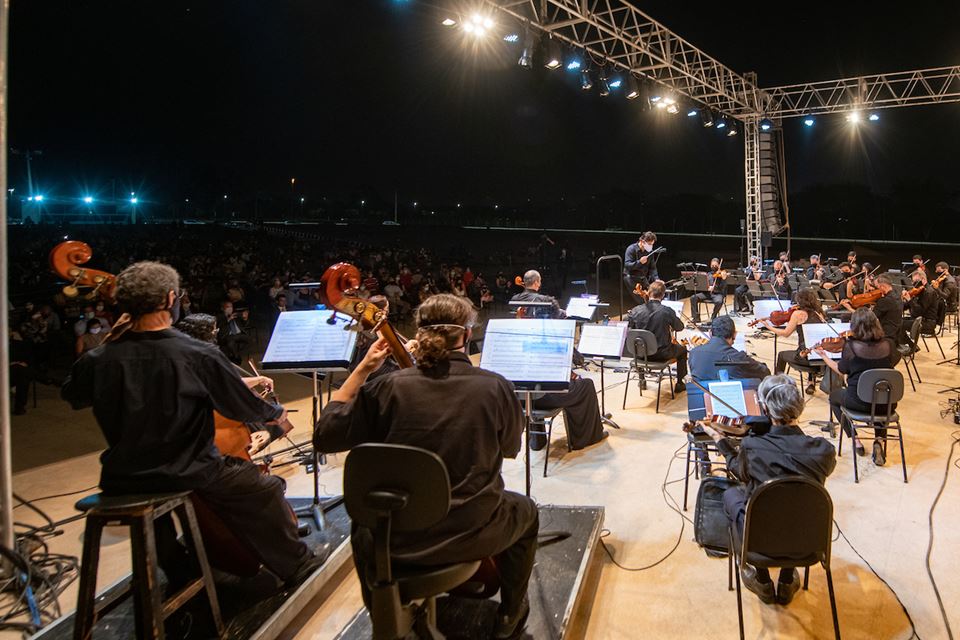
(314,342)
(603,341)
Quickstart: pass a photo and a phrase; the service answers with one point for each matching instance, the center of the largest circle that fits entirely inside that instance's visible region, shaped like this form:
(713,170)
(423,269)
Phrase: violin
(66,260)
(776,318)
(833,344)
(939,280)
(860,300)
(518,281)
(341,282)
(640,291)
(692,341)
(724,424)
(907,295)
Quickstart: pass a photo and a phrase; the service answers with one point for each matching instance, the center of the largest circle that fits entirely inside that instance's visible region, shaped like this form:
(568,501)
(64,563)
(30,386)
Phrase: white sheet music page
(580,307)
(763,308)
(732,394)
(814,333)
(603,340)
(529,350)
(676,305)
(308,337)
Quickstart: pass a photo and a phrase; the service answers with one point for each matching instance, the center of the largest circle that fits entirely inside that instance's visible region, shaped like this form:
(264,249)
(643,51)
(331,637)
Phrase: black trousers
(631,282)
(581,414)
(514,562)
(670,352)
(252,506)
(793,358)
(20,378)
(703,296)
(742,298)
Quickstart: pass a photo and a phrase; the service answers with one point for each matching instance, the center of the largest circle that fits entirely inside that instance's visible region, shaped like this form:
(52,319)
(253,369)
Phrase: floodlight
(586,83)
(766,125)
(554,59)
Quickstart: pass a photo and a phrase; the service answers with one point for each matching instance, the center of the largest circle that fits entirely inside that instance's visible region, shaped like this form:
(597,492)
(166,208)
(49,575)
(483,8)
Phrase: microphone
(583,282)
(615,257)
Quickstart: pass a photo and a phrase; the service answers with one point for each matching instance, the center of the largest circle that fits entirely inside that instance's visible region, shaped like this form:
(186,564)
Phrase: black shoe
(537,441)
(642,384)
(512,626)
(879,457)
(313,562)
(763,589)
(811,388)
(680,388)
(786,590)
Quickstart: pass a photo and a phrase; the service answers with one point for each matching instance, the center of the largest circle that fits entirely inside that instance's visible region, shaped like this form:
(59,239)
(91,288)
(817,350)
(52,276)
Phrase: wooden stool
(138,512)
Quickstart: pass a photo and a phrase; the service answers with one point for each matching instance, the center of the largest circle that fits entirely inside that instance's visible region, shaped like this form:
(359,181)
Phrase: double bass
(67,260)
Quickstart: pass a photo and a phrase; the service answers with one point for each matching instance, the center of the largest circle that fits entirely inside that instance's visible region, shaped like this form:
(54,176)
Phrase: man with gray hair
(783,451)
(153,391)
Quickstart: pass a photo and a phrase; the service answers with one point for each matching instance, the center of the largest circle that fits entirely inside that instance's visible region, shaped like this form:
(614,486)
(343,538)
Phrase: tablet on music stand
(534,354)
(603,341)
(740,394)
(310,340)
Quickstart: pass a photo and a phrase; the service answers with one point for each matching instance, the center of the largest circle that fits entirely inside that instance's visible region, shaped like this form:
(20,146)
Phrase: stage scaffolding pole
(6,473)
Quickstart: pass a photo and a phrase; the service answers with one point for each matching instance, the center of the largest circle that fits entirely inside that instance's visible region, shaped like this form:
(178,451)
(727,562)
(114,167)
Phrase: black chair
(543,419)
(879,388)
(788,523)
(935,334)
(641,344)
(698,443)
(391,487)
(909,350)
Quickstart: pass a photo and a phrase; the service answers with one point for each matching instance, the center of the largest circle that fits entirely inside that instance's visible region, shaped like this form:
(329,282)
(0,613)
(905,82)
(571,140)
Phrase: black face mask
(175,309)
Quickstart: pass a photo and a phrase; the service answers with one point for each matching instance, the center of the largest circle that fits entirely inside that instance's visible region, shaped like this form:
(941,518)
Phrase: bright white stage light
(449,22)
(809,121)
(873,117)
(854,117)
(766,125)
(573,65)
(135,201)
(692,113)
(87,199)
(512,37)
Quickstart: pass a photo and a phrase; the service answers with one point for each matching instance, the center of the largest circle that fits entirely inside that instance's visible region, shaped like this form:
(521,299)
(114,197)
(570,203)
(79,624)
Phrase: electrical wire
(955,436)
(56,495)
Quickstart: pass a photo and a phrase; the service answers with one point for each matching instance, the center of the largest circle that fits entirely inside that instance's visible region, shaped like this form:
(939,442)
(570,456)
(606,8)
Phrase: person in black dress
(469,417)
(866,349)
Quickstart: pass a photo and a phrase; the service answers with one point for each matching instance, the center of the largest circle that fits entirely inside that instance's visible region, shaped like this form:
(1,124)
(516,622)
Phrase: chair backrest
(641,344)
(880,386)
(789,517)
(409,484)
(915,330)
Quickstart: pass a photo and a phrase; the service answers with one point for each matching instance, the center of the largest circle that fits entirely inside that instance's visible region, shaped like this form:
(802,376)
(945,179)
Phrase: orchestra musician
(659,320)
(889,312)
(852,259)
(844,271)
(469,417)
(784,450)
(777,277)
(742,298)
(946,286)
(809,311)
(815,271)
(918,264)
(153,391)
(716,292)
(924,305)
(639,267)
(531,293)
(704,359)
(865,349)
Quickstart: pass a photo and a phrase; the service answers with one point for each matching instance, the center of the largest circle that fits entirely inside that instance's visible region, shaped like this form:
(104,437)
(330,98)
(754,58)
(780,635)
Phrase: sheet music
(529,350)
(763,308)
(580,307)
(676,305)
(603,340)
(732,394)
(308,337)
(814,333)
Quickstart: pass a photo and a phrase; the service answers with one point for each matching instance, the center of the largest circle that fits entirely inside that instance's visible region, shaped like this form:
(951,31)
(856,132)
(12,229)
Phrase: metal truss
(751,157)
(883,91)
(614,32)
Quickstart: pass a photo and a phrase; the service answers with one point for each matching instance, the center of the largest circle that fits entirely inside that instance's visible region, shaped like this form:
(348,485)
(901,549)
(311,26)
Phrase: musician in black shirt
(659,320)
(715,293)
(469,417)
(924,305)
(639,267)
(742,298)
(946,288)
(531,293)
(153,391)
(889,310)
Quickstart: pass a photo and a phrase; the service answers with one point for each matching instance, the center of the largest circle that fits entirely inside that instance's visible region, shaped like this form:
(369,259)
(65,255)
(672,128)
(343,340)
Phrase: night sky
(176,99)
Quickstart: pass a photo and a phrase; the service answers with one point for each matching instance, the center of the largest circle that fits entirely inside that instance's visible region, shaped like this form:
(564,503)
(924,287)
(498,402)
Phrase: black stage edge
(251,608)
(556,586)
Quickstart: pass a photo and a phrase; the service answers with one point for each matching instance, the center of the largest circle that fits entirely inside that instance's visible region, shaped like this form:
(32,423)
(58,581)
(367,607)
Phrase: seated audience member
(809,311)
(230,336)
(784,451)
(866,349)
(88,313)
(704,359)
(91,339)
(659,319)
(469,417)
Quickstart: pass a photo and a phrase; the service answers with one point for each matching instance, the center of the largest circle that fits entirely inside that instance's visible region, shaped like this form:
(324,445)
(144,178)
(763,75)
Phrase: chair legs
(546,457)
(626,388)
(833,602)
(906,365)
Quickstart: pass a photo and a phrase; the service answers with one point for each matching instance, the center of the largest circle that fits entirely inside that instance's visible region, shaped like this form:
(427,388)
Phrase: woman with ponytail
(469,417)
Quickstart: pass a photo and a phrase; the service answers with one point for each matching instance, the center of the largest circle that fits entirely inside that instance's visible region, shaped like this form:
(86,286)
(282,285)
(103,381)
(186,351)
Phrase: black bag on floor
(710,523)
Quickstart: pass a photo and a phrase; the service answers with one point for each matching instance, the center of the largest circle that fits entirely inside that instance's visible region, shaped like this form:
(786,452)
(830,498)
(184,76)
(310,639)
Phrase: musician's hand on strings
(410,345)
(281,419)
(375,356)
(821,352)
(265,382)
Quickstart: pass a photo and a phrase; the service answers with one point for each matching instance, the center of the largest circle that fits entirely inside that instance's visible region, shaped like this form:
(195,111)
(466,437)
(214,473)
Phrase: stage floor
(634,474)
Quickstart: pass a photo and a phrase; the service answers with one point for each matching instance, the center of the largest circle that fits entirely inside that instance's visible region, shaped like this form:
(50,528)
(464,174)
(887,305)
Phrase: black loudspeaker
(766,239)
(772,195)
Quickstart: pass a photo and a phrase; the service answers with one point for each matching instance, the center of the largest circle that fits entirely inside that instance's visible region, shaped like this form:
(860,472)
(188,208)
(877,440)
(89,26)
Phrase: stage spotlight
(809,121)
(672,106)
(615,83)
(706,118)
(733,129)
(38,198)
(873,117)
(526,56)
(722,122)
(554,58)
(853,117)
(88,199)
(586,83)
(574,64)
(135,200)
(766,125)
(449,22)
(692,113)
(512,37)
(604,86)
(478,25)
(633,90)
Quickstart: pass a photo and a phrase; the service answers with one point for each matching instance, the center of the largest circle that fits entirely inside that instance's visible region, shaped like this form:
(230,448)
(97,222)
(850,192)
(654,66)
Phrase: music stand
(599,342)
(812,334)
(536,355)
(312,342)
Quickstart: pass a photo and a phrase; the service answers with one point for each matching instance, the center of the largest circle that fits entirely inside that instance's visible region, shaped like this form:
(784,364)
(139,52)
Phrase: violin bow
(687,319)
(715,397)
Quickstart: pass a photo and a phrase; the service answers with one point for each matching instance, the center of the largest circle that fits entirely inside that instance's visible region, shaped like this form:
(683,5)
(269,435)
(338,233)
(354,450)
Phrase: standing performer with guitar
(640,264)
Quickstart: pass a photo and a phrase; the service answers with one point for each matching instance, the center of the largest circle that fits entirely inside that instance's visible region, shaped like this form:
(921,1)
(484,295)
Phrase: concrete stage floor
(685,596)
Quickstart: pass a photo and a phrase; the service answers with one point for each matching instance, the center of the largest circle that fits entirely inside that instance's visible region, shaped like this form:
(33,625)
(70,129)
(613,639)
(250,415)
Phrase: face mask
(647,246)
(88,315)
(175,309)
(96,330)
